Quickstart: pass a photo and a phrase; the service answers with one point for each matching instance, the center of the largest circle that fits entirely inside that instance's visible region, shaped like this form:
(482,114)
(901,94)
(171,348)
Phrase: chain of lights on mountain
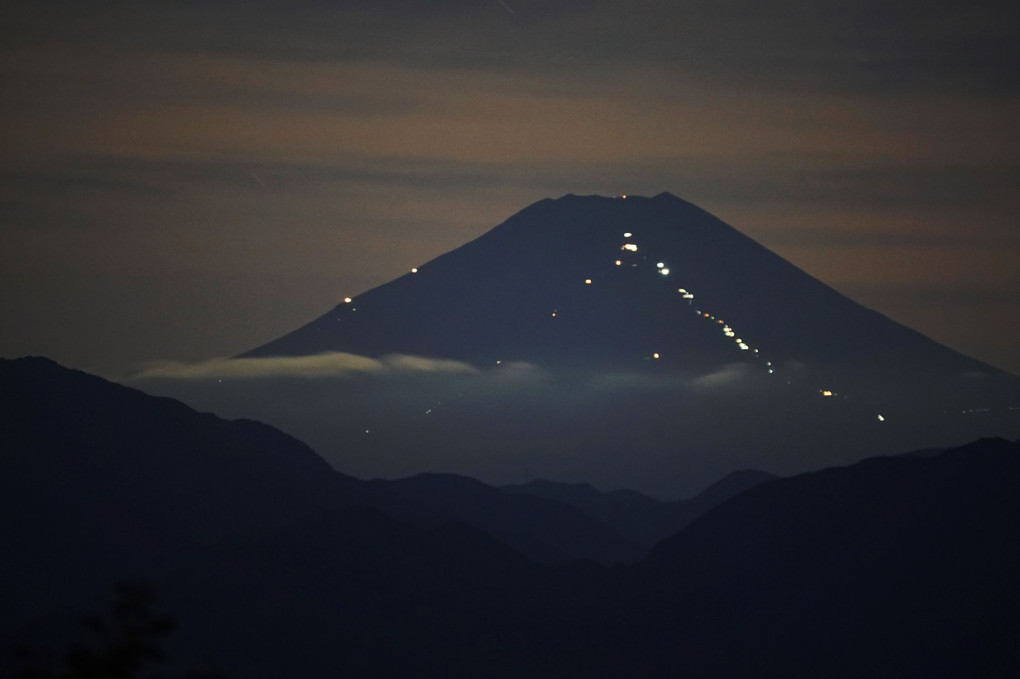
(629,248)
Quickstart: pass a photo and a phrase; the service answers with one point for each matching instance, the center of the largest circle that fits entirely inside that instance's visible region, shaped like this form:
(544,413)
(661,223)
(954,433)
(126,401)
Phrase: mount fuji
(615,281)
(624,341)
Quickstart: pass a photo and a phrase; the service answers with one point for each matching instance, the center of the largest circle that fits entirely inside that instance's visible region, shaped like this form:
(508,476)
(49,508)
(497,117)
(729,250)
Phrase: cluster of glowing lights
(663,270)
(687,295)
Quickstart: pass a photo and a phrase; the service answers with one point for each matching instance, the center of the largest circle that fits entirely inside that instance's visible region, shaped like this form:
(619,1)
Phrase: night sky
(180,181)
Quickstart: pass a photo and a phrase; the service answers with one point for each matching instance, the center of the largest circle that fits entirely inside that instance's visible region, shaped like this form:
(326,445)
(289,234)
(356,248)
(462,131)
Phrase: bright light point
(624,196)
(688,295)
(414,270)
(630,247)
(743,347)
(587,281)
(705,314)
(771,371)
(499,362)
(619,263)
(768,362)
(826,393)
(660,265)
(681,291)
(347,300)
(664,272)
(729,333)
(628,234)
(655,355)
(881,419)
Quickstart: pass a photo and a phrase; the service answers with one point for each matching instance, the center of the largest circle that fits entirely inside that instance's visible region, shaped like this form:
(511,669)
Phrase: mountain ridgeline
(273,564)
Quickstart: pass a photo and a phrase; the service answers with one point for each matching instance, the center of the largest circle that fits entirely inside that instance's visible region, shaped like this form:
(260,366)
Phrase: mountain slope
(891,567)
(101,482)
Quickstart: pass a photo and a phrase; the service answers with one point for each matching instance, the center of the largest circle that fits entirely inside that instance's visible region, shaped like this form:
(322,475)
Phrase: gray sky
(185,180)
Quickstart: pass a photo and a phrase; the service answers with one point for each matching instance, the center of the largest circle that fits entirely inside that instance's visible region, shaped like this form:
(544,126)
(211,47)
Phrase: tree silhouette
(126,642)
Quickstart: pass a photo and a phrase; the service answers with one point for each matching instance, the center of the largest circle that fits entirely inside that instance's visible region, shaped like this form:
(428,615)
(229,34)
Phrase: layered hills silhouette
(274,564)
(626,342)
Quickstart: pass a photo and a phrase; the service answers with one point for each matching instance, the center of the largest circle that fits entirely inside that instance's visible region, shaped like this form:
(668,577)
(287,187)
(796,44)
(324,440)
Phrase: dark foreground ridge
(274,565)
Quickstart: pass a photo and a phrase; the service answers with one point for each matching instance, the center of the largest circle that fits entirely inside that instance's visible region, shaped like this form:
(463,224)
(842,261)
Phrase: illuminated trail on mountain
(627,255)
(727,330)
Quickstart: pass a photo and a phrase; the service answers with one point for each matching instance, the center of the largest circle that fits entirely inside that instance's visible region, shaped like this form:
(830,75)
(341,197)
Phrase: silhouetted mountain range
(637,516)
(275,565)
